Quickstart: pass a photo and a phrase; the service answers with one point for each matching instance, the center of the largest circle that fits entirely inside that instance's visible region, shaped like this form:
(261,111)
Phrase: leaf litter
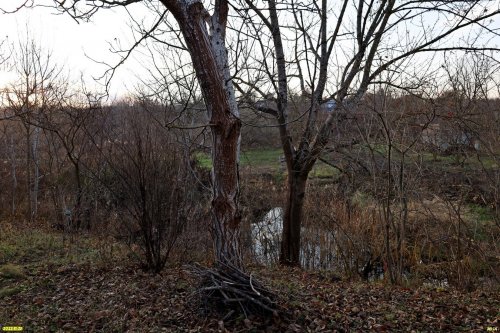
(122,298)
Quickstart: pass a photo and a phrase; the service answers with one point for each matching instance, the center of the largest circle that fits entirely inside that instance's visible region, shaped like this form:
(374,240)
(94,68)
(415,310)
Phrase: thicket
(388,201)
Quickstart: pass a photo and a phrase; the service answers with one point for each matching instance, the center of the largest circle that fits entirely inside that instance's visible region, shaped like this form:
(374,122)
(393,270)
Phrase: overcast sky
(72,44)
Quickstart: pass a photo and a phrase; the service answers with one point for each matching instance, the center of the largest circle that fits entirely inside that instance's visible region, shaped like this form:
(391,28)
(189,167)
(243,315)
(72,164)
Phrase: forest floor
(50,283)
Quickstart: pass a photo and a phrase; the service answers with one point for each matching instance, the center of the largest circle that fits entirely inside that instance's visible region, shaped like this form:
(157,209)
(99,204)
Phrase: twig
(225,285)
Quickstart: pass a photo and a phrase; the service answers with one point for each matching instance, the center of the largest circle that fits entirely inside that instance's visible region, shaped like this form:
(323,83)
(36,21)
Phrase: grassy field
(269,160)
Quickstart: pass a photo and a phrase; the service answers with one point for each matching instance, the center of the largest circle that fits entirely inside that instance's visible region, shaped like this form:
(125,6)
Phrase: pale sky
(70,42)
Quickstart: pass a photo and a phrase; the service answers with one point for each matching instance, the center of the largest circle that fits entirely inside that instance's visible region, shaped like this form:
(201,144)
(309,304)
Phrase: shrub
(150,186)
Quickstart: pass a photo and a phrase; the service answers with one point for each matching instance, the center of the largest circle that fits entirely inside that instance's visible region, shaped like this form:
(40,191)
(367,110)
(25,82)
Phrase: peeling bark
(209,57)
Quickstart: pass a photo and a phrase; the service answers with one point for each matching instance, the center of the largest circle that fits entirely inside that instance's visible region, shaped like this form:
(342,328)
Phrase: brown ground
(120,298)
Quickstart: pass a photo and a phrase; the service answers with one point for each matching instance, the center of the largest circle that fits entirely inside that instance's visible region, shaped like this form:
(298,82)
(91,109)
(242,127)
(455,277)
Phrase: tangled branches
(227,289)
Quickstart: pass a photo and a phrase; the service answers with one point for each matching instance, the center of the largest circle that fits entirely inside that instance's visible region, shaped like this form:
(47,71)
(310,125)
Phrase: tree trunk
(36,172)
(14,175)
(77,211)
(209,57)
(292,220)
(29,214)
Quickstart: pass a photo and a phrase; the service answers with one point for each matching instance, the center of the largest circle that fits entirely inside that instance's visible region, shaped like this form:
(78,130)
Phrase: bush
(150,186)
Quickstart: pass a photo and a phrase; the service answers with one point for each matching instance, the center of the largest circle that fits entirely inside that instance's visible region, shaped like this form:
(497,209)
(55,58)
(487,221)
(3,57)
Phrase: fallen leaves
(362,307)
(84,298)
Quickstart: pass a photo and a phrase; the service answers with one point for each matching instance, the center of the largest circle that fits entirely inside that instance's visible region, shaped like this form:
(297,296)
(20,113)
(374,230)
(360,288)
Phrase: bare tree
(338,51)
(27,100)
(3,54)
(136,153)
(204,36)
(470,115)
(65,124)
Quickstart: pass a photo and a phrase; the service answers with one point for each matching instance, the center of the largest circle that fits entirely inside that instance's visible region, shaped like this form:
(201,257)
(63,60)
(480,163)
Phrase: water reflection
(320,249)
(316,245)
(266,237)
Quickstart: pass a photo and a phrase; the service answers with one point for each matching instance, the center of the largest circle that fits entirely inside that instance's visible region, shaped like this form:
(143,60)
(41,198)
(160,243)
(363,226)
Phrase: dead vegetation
(121,298)
(228,291)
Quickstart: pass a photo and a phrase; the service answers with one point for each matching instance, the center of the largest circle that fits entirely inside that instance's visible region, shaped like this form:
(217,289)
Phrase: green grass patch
(253,157)
(472,162)
(486,162)
(323,170)
(11,272)
(7,251)
(7,291)
(204,160)
(430,157)
(270,160)
(27,246)
(261,157)
(482,221)
(481,213)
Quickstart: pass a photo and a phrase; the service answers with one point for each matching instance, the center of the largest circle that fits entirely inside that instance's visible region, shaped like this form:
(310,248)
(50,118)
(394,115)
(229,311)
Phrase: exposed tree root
(228,290)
